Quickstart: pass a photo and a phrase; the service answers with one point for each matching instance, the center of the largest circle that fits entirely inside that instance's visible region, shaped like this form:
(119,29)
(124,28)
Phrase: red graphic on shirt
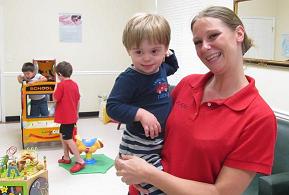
(161,87)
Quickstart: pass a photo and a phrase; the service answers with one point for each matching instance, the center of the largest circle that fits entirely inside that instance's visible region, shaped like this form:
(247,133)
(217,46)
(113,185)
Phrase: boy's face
(29,75)
(148,57)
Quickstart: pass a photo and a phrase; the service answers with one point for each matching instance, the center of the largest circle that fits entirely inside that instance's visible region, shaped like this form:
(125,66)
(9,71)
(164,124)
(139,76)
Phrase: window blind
(179,14)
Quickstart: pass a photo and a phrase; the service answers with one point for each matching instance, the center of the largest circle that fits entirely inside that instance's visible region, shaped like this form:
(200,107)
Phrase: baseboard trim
(12,118)
(88,114)
(81,115)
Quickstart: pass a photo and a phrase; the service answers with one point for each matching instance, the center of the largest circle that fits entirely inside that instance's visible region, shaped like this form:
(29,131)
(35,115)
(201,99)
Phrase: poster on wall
(70,30)
(285,45)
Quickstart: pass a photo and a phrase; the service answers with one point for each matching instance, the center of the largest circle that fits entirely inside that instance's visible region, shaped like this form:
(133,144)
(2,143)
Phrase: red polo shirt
(238,132)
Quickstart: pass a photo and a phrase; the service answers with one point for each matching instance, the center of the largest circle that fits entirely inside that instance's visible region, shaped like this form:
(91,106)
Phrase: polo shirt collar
(239,101)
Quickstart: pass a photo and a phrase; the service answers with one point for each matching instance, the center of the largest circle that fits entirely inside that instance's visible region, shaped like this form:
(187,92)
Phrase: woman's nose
(206,45)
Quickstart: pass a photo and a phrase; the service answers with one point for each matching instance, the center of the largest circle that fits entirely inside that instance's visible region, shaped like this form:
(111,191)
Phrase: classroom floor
(61,181)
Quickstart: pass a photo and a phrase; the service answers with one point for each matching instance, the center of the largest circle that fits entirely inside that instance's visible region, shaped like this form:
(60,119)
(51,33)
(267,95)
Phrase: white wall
(271,81)
(179,14)
(1,57)
(281,26)
(31,31)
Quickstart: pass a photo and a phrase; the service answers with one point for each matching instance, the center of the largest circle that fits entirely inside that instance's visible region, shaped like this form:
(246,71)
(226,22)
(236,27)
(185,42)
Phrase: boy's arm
(120,108)
(119,105)
(58,92)
(171,62)
(40,79)
(20,78)
(78,105)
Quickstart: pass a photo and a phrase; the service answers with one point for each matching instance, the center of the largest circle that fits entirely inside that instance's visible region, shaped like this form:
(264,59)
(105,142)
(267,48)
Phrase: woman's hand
(133,170)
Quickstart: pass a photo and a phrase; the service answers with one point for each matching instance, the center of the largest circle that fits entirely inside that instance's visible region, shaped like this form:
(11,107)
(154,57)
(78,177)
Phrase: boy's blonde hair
(142,26)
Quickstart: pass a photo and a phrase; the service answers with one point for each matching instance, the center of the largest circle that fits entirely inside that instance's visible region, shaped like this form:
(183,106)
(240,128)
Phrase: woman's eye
(197,43)
(214,35)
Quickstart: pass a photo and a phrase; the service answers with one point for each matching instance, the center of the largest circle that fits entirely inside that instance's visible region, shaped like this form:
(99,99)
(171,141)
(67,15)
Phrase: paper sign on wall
(70,28)
(285,45)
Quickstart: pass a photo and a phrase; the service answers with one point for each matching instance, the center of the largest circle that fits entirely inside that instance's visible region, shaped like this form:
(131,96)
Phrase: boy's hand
(169,53)
(20,78)
(149,122)
(30,82)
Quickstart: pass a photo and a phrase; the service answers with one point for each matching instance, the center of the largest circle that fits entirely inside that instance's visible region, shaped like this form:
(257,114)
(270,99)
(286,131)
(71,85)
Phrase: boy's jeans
(39,108)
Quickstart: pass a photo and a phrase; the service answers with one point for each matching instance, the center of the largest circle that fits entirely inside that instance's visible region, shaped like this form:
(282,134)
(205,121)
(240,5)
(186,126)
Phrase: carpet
(102,165)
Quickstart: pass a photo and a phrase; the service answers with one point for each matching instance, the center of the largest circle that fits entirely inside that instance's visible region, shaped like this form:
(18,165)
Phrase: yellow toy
(89,147)
(39,129)
(103,116)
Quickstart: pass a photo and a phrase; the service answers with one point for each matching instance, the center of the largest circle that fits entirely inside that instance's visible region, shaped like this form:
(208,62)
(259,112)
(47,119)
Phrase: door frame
(2,116)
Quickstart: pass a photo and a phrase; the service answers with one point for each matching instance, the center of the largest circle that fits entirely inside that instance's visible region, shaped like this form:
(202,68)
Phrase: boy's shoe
(77,167)
(63,161)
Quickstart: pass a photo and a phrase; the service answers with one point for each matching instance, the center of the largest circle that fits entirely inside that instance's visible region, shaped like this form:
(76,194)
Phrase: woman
(220,131)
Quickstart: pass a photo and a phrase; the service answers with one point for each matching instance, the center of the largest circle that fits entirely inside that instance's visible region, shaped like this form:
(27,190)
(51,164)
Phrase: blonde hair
(229,18)
(142,26)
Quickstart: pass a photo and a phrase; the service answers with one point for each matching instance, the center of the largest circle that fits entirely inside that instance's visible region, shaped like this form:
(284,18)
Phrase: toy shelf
(34,184)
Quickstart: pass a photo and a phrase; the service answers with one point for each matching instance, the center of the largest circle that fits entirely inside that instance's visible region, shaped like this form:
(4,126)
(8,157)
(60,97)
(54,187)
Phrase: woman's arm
(135,170)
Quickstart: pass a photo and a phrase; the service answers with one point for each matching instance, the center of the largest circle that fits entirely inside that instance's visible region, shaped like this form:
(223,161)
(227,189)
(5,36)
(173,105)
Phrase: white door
(261,30)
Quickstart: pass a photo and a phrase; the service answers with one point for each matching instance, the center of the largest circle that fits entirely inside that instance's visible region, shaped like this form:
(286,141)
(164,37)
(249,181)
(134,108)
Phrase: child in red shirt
(67,98)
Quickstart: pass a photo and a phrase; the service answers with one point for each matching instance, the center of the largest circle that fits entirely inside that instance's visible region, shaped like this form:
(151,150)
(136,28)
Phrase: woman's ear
(240,33)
